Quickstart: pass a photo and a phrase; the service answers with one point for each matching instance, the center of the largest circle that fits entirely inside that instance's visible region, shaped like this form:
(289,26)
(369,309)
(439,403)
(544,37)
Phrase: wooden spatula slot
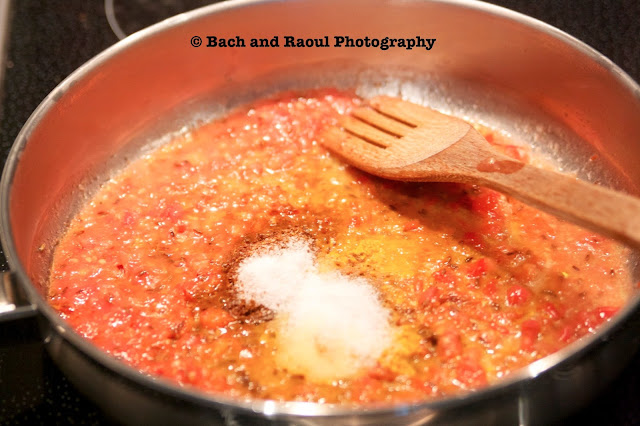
(400,140)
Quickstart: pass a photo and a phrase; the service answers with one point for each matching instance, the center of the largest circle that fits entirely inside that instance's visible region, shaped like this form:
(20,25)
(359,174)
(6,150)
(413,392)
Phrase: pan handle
(14,303)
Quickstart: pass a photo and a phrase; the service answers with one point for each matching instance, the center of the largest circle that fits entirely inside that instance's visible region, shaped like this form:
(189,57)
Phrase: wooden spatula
(400,140)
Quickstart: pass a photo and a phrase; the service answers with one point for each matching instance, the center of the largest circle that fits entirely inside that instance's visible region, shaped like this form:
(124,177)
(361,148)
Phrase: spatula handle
(610,213)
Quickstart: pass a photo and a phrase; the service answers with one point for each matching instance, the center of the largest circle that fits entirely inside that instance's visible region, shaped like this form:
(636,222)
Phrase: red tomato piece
(430,295)
(606,312)
(491,288)
(487,203)
(479,268)
(444,276)
(489,137)
(588,321)
(530,330)
(449,345)
(568,332)
(470,373)
(411,225)
(518,295)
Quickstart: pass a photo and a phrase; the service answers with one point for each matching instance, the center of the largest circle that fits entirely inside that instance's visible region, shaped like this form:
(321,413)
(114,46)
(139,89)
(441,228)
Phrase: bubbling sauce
(397,292)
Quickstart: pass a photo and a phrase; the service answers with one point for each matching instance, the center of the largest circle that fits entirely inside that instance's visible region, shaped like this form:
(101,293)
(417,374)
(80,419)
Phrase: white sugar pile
(328,325)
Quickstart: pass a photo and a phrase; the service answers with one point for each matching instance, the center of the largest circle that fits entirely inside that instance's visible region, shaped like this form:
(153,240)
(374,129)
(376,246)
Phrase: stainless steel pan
(487,63)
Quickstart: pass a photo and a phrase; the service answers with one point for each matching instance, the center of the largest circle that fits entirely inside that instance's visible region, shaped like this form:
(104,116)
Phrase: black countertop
(49,39)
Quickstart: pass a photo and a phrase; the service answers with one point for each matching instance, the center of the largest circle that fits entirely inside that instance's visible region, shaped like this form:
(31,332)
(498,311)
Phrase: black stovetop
(49,39)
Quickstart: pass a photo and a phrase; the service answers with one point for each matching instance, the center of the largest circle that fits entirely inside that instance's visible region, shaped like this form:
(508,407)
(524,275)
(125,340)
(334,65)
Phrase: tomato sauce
(477,284)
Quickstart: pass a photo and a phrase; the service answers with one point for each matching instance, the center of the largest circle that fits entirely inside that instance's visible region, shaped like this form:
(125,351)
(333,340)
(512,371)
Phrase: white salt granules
(328,325)
(270,276)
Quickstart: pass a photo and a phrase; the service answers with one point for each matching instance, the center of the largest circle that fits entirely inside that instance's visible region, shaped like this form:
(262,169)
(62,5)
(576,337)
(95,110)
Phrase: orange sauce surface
(478,284)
